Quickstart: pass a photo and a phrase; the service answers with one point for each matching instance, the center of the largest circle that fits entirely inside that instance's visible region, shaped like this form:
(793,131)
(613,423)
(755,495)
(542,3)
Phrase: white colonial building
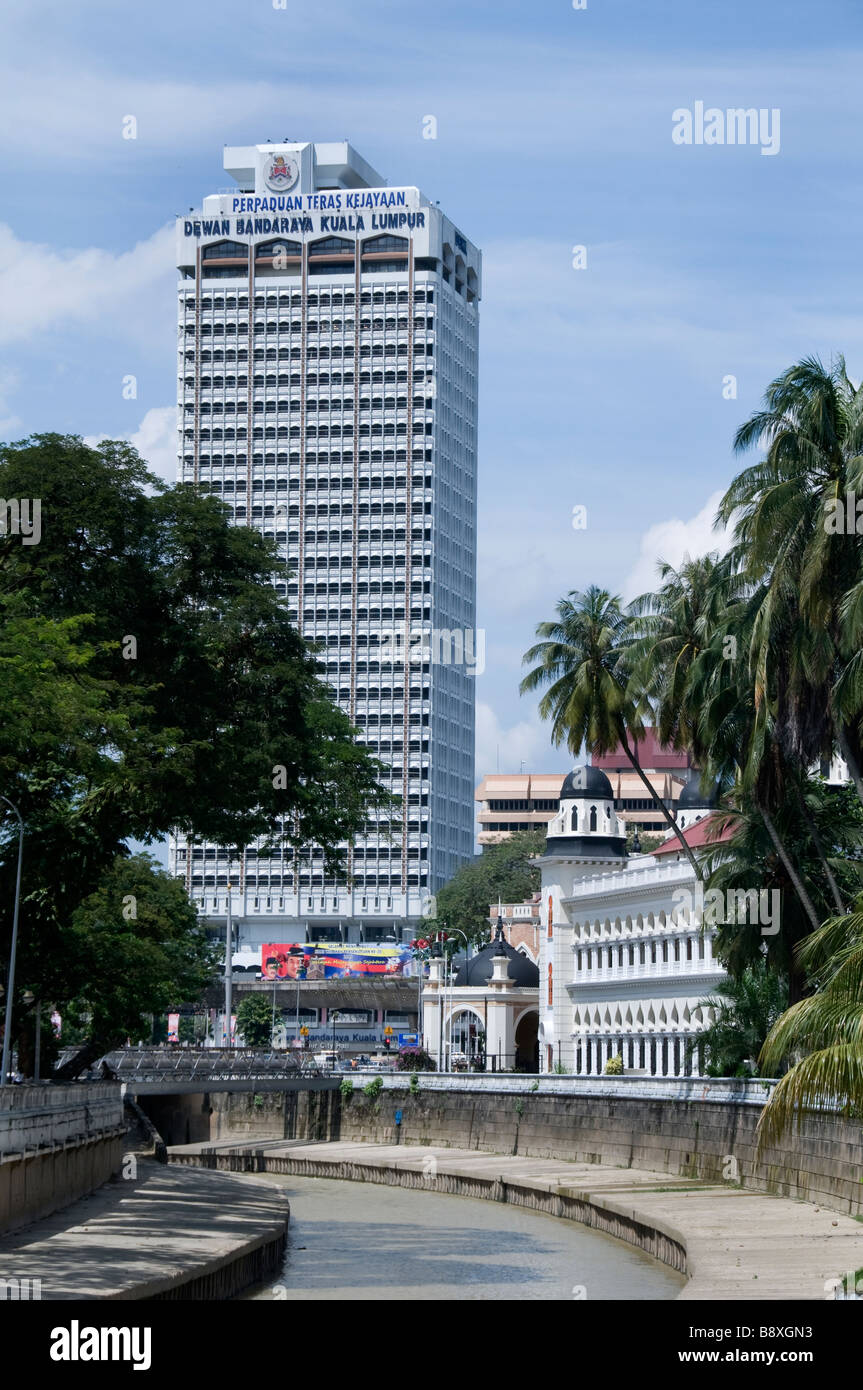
(624,963)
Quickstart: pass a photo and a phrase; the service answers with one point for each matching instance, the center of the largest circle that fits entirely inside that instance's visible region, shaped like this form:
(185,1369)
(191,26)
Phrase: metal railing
(205,1064)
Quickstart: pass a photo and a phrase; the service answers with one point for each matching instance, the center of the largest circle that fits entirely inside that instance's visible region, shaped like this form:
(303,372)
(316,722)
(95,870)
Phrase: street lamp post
(334,1013)
(297,951)
(10,983)
(454,931)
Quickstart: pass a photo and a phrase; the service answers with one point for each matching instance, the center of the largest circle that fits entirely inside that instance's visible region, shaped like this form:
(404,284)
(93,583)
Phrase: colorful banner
(323,961)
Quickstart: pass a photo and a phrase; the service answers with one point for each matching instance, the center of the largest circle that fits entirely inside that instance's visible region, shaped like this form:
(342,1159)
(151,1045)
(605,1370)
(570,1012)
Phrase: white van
(328,1059)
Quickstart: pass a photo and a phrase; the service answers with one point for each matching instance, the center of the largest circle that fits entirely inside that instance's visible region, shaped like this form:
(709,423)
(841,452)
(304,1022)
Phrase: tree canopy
(502,871)
(151,680)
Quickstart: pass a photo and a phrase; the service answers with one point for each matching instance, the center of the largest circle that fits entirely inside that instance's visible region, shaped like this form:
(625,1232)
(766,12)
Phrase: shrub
(373,1088)
(614,1066)
(415,1059)
(346,1088)
(414,1082)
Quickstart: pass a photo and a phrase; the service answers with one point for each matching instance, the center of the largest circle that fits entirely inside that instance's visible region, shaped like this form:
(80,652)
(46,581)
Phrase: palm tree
(582,662)
(808,628)
(732,720)
(670,630)
(744,1010)
(824,1030)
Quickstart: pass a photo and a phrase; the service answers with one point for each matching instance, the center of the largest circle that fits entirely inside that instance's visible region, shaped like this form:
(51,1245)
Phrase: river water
(352,1240)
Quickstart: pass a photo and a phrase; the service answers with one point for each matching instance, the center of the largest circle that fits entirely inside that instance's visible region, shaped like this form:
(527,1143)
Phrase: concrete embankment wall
(696,1131)
(648,1235)
(712,1139)
(56,1144)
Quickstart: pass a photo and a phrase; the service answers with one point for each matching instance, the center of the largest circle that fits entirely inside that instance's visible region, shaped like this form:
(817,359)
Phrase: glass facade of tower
(327,393)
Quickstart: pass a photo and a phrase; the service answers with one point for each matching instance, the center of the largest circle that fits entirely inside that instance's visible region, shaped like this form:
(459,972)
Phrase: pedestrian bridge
(187,1070)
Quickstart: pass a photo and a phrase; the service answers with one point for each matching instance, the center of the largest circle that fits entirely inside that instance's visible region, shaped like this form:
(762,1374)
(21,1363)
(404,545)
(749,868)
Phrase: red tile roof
(696,837)
(649,751)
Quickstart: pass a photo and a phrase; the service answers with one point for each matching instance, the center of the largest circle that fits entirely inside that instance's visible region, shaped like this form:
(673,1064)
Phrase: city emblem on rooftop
(281,173)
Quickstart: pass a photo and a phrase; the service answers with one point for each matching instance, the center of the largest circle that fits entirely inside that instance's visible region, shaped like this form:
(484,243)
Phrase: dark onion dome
(693,796)
(478,970)
(588,782)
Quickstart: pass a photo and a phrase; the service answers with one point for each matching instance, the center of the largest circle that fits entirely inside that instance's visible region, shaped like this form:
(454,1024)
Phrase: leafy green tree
(132,947)
(153,681)
(748,861)
(503,871)
(222,726)
(255,1020)
(744,1011)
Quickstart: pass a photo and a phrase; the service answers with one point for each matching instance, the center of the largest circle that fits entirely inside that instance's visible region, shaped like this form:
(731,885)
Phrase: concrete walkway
(732,1244)
(140,1238)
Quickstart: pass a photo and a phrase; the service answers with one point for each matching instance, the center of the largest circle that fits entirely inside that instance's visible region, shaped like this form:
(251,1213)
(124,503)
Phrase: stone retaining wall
(711,1140)
(34,1185)
(37,1116)
(704,1131)
(57,1143)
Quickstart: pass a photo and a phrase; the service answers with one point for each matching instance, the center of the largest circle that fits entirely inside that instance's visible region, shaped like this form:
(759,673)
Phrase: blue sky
(601,386)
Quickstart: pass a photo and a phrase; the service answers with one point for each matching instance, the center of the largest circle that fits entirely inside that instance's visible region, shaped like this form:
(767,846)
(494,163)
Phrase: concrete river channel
(351,1240)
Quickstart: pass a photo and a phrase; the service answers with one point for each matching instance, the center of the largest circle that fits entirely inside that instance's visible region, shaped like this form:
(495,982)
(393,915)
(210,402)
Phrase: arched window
(386,243)
(220,250)
(575,818)
(278,248)
(331,246)
(593,817)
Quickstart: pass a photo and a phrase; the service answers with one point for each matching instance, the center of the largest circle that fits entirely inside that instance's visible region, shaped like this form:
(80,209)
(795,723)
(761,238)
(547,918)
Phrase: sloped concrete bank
(731,1244)
(663,1245)
(691,1129)
(164,1234)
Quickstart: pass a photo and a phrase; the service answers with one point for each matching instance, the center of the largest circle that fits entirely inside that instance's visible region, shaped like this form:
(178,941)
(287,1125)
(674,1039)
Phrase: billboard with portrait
(325,961)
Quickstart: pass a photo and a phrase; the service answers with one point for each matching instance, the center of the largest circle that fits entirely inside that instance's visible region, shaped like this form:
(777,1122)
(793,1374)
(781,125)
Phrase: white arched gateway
(486,1014)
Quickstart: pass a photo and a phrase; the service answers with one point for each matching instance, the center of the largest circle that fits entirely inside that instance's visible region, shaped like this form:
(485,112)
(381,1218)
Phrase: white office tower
(327,392)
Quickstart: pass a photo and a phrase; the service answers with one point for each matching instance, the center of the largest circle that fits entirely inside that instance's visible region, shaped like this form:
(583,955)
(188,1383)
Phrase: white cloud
(9,423)
(155,439)
(504,749)
(67,91)
(42,289)
(671,541)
